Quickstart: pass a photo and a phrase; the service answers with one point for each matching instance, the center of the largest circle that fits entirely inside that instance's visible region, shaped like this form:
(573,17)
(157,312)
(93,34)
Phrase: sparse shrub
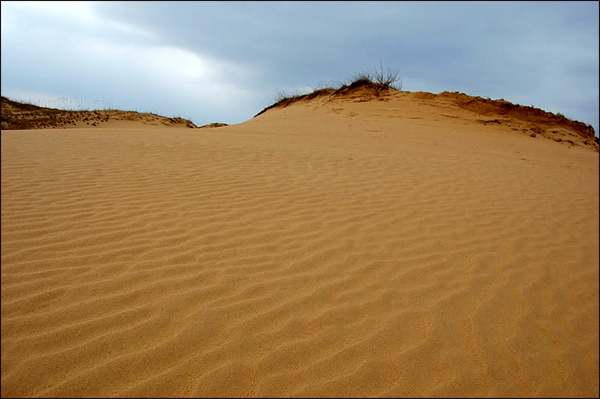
(281,96)
(319,92)
(379,81)
(360,79)
(388,78)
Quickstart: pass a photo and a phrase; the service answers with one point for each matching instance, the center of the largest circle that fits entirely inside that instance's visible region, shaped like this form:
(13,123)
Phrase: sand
(329,248)
(18,115)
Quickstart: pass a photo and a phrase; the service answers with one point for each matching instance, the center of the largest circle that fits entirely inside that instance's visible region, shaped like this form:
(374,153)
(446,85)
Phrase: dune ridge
(347,247)
(528,119)
(19,115)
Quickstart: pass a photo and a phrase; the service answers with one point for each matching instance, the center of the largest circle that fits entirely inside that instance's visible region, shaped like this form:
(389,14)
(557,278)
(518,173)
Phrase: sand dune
(18,116)
(334,247)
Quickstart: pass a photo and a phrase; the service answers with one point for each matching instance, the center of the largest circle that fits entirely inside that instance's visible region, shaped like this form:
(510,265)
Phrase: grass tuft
(379,82)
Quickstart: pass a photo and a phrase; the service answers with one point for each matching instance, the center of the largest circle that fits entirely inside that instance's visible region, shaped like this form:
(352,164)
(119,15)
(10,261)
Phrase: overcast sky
(226,61)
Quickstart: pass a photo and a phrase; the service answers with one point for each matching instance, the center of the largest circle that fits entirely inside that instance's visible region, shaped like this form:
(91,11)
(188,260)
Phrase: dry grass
(20,115)
(378,83)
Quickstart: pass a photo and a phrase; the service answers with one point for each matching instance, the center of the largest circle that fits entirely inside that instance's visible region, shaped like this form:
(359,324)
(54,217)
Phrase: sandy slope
(329,248)
(18,116)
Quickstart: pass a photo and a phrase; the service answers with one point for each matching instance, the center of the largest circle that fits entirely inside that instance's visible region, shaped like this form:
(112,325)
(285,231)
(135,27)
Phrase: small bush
(379,81)
(388,78)
(282,95)
(360,79)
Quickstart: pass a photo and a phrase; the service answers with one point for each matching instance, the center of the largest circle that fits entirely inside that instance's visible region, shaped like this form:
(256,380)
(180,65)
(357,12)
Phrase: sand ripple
(253,261)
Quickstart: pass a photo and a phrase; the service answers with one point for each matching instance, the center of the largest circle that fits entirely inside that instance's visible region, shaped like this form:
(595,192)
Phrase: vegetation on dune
(378,83)
(21,115)
(383,81)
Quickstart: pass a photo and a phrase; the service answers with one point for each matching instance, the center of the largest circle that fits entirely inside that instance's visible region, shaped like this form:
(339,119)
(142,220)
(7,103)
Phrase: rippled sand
(380,248)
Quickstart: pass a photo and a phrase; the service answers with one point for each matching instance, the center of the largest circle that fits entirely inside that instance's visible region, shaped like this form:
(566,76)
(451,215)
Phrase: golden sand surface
(401,246)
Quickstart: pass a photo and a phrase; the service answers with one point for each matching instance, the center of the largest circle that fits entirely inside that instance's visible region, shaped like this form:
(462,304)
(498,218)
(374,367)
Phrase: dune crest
(18,116)
(525,119)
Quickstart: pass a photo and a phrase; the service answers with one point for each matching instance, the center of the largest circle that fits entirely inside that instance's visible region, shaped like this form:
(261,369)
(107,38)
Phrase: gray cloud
(225,61)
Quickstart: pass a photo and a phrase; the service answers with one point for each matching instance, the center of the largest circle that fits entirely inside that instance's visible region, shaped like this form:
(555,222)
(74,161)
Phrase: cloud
(227,60)
(72,16)
(126,74)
